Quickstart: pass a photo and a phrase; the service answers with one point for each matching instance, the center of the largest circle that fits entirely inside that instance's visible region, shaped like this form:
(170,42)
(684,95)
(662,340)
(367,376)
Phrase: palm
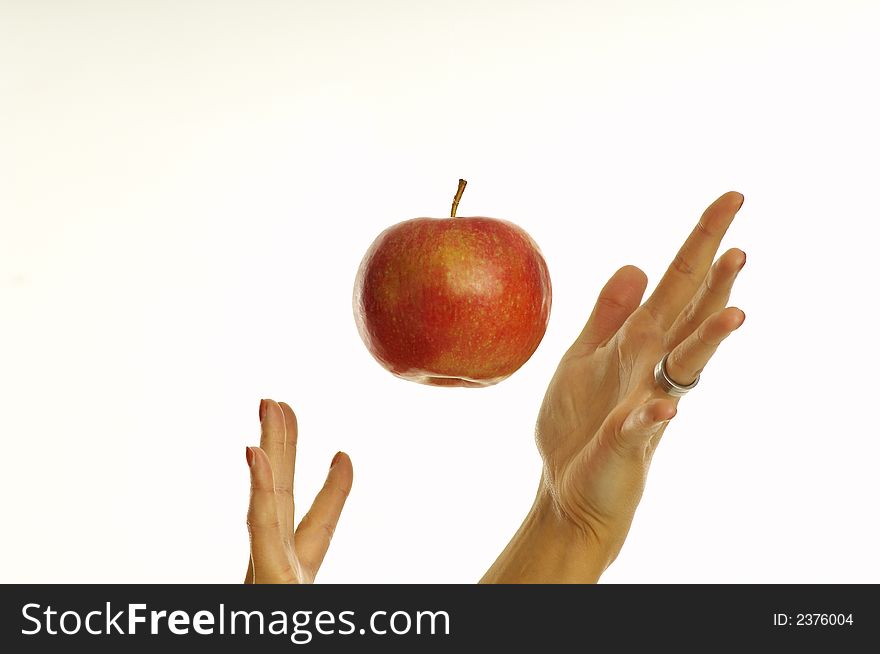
(603,415)
(587,390)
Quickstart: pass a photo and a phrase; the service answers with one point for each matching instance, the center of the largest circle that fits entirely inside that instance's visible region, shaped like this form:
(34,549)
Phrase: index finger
(278,439)
(690,266)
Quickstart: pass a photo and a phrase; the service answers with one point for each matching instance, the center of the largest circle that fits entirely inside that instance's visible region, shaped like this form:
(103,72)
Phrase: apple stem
(461,184)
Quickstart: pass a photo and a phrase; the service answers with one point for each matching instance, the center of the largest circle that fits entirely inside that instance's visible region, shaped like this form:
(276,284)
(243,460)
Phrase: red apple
(452,301)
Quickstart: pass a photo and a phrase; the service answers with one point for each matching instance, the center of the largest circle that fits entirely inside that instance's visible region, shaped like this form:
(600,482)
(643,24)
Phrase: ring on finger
(667,384)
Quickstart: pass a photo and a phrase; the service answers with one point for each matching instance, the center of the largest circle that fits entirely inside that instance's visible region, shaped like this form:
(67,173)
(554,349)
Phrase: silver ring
(667,384)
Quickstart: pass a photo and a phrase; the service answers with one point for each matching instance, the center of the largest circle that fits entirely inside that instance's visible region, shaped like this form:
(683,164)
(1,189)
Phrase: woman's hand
(280,555)
(603,414)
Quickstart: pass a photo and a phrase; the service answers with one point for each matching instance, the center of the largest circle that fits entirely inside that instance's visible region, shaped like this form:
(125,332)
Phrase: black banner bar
(422,618)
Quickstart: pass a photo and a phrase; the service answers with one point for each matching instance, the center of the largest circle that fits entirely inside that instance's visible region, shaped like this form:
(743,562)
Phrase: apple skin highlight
(452,301)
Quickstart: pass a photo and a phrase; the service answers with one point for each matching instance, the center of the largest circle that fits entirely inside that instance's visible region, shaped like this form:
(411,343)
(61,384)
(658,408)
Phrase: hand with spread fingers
(611,399)
(280,555)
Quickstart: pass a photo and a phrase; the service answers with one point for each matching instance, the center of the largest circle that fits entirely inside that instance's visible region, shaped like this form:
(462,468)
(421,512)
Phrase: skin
(281,554)
(603,415)
(598,427)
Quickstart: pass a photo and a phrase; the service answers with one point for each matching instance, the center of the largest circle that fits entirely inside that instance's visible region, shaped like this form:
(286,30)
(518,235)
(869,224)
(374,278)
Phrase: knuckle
(310,524)
(691,312)
(719,280)
(336,489)
(681,264)
(262,491)
(675,365)
(653,312)
(255,522)
(642,331)
(704,230)
(609,302)
(711,284)
(701,338)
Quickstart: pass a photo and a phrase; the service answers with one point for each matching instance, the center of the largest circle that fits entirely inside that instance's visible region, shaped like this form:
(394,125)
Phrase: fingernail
(262,410)
(741,202)
(743,261)
(335,460)
(249,455)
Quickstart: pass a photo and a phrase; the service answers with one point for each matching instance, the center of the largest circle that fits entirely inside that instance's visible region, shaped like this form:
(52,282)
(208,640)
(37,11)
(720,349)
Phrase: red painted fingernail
(249,455)
(262,410)
(335,460)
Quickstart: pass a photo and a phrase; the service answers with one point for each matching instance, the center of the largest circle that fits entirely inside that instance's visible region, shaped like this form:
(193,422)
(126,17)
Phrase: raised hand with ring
(610,400)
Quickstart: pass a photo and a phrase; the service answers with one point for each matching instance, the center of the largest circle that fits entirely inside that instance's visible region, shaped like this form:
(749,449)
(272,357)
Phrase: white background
(187,188)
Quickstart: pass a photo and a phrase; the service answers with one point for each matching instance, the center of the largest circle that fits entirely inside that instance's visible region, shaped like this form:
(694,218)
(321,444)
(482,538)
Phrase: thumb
(621,295)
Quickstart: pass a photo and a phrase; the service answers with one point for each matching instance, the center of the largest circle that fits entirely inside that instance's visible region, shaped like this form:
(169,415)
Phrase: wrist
(549,548)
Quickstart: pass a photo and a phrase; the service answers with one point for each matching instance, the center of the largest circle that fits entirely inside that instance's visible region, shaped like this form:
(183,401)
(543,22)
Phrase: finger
(689,268)
(621,295)
(627,432)
(712,296)
(689,357)
(644,422)
(316,529)
(285,492)
(277,431)
(269,559)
